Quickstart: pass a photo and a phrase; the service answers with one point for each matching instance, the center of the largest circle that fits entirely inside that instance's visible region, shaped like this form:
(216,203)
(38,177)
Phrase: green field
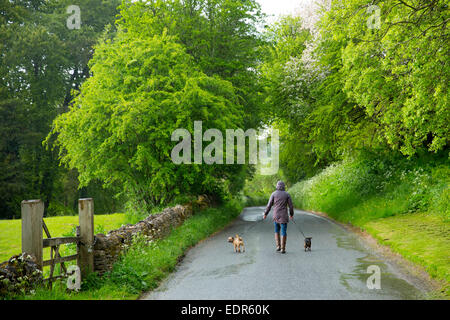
(10,231)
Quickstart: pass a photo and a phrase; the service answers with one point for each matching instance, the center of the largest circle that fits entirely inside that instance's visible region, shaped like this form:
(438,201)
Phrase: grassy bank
(404,204)
(419,237)
(145,264)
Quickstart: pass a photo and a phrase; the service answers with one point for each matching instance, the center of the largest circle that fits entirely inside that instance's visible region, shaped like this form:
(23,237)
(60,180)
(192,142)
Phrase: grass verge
(144,264)
(421,238)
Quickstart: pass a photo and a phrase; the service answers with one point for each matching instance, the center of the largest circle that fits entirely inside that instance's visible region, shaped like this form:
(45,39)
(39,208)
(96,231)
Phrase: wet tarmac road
(336,268)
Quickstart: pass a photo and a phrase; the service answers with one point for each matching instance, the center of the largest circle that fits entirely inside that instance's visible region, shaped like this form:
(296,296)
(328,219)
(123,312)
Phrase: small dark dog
(308,244)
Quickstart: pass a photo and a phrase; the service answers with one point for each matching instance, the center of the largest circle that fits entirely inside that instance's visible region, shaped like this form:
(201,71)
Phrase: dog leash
(254,225)
(299,228)
(251,227)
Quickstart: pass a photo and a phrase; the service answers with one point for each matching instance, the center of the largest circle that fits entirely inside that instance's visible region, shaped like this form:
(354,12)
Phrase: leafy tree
(398,73)
(287,42)
(120,125)
(289,102)
(360,86)
(41,62)
(221,35)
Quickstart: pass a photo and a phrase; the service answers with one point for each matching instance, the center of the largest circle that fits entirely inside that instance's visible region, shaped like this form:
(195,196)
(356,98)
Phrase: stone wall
(107,248)
(19,274)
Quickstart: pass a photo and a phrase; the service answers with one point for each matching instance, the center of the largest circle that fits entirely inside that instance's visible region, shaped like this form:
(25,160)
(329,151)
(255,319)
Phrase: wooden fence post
(86,219)
(32,215)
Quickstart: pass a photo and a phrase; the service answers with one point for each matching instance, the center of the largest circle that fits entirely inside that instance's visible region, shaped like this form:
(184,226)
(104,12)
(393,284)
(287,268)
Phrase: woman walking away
(280,200)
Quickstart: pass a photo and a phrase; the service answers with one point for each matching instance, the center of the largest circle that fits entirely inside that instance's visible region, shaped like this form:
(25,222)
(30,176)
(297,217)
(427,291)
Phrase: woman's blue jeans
(282,226)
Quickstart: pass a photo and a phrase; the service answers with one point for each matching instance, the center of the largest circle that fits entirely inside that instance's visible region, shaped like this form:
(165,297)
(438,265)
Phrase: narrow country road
(336,268)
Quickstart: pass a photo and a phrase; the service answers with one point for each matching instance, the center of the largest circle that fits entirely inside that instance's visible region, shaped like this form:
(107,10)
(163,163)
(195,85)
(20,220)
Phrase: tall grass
(366,188)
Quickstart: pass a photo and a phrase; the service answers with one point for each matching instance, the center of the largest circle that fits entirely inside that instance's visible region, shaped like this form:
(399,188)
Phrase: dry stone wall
(19,274)
(107,248)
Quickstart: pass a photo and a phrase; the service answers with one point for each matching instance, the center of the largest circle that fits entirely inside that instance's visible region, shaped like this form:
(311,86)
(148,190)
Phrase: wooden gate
(33,243)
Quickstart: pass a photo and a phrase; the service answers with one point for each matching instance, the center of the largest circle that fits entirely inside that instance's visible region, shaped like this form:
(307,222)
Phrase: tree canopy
(41,62)
(370,77)
(171,63)
(348,77)
(120,126)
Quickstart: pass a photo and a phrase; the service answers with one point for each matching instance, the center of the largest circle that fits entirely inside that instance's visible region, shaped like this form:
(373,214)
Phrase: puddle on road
(232,269)
(392,286)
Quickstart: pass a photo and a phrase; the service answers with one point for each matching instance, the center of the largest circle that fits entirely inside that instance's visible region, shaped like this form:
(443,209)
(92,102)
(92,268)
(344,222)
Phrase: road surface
(336,268)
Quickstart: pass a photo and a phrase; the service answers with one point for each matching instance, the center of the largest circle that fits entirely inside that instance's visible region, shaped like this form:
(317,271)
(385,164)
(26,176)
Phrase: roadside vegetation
(258,189)
(367,188)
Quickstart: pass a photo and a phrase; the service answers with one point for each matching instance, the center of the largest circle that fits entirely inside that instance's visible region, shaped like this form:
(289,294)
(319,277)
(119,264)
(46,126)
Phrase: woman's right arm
(269,206)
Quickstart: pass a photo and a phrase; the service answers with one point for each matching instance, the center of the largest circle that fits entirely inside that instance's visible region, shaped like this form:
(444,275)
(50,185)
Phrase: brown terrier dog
(237,243)
(308,244)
